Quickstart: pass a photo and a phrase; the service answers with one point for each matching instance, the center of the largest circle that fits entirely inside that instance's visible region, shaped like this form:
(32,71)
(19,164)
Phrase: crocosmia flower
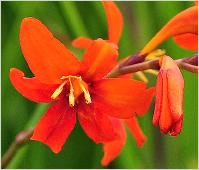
(114,147)
(168,112)
(76,87)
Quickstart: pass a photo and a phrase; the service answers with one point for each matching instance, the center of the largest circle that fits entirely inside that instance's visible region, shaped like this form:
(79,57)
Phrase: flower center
(76,87)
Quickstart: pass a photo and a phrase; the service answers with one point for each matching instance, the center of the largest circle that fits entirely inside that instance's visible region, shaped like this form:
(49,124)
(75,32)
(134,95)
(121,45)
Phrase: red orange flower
(75,86)
(168,112)
(115,24)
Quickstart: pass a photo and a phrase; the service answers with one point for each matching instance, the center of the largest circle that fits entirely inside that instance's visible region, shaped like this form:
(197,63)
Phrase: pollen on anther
(71,94)
(71,99)
(87,97)
(58,91)
(86,94)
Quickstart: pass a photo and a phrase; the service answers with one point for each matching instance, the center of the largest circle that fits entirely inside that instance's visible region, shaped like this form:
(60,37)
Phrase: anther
(71,95)
(58,91)
(87,97)
(86,93)
(71,99)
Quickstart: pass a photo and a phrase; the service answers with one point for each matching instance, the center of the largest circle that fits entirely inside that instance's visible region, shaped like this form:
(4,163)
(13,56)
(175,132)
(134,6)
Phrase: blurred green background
(67,21)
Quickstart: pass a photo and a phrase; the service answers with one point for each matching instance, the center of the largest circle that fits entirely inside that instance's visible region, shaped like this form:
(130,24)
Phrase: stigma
(76,87)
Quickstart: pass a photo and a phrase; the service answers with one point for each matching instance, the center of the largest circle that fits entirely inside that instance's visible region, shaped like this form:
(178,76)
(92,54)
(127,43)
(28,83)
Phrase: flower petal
(46,56)
(95,123)
(187,41)
(82,42)
(122,98)
(158,100)
(184,22)
(115,21)
(136,131)
(165,121)
(55,126)
(112,149)
(31,88)
(98,60)
(176,127)
(175,91)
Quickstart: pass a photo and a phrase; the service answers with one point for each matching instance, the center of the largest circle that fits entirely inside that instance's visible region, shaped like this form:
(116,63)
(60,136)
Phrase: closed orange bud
(168,112)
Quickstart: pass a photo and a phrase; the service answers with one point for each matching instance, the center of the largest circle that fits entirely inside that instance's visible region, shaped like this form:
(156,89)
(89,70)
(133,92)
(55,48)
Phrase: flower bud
(168,112)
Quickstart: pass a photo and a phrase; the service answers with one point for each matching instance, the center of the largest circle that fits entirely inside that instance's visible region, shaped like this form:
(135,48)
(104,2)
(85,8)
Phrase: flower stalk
(21,139)
(189,63)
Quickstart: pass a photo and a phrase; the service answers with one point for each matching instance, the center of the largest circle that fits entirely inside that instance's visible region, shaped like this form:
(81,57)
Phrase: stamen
(71,95)
(77,83)
(86,93)
(87,97)
(69,77)
(58,91)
